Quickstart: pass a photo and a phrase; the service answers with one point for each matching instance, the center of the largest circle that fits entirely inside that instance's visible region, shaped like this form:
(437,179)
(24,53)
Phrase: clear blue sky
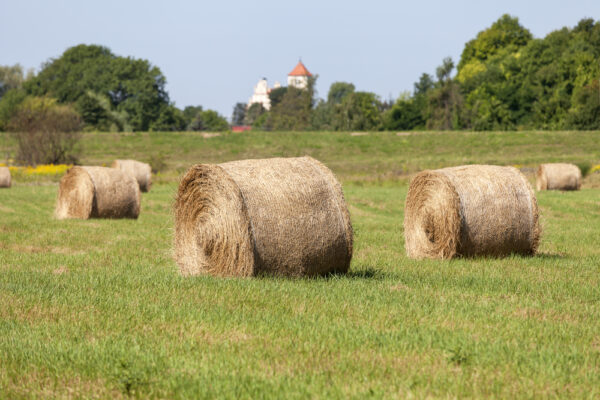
(214,52)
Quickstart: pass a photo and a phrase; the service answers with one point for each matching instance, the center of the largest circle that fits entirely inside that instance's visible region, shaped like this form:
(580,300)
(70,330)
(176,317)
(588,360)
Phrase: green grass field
(96,309)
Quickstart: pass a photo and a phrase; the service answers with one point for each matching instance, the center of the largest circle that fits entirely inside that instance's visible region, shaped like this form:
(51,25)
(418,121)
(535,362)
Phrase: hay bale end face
(280,216)
(97,192)
(558,176)
(142,172)
(473,210)
(5,180)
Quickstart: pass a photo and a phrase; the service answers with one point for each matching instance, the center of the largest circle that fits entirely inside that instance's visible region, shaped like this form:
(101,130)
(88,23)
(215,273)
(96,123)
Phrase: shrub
(46,133)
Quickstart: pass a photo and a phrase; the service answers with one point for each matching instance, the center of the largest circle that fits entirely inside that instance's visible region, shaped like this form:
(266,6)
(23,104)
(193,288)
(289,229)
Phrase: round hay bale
(97,192)
(558,176)
(142,172)
(5,177)
(279,216)
(471,210)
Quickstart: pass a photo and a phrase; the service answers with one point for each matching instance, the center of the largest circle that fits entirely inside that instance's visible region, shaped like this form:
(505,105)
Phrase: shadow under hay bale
(5,180)
(558,176)
(142,172)
(473,210)
(279,216)
(97,192)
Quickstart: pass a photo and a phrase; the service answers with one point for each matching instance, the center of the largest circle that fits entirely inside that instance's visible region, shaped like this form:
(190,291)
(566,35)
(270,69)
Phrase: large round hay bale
(279,216)
(558,176)
(471,210)
(97,192)
(141,171)
(4,177)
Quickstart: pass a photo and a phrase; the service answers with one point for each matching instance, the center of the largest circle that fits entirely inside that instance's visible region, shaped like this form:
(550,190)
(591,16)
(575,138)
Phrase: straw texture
(279,216)
(558,176)
(97,192)
(471,210)
(5,180)
(142,172)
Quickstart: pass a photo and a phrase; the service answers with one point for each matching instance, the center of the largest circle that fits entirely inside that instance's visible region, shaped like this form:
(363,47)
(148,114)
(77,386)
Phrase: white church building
(298,78)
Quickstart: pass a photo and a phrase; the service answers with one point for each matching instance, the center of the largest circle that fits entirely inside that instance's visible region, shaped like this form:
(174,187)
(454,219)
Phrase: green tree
(208,120)
(276,95)
(405,114)
(12,77)
(445,100)
(239,113)
(253,113)
(133,86)
(338,91)
(358,111)
(9,103)
(505,35)
(170,119)
(293,112)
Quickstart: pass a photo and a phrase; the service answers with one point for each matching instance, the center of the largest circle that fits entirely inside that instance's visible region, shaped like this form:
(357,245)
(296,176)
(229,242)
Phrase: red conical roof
(300,70)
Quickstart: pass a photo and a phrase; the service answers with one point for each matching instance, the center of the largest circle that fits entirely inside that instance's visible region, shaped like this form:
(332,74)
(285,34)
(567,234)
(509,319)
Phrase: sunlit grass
(96,309)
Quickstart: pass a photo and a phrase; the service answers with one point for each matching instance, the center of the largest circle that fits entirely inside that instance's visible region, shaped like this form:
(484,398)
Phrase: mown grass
(376,157)
(96,309)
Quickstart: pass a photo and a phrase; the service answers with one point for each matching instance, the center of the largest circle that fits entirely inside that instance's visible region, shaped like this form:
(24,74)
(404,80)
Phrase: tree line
(107,92)
(505,79)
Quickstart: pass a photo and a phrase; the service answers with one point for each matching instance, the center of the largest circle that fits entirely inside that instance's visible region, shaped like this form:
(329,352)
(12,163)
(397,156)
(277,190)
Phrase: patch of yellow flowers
(595,168)
(43,170)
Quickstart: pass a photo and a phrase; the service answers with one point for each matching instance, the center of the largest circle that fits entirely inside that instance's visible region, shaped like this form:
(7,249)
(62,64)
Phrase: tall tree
(133,85)
(444,100)
(339,90)
(12,77)
(239,113)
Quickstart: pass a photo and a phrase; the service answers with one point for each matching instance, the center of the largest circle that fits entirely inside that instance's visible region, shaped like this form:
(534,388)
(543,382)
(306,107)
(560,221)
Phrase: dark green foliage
(9,104)
(444,101)
(405,114)
(359,111)
(276,95)
(206,120)
(509,80)
(239,113)
(190,112)
(170,119)
(212,121)
(293,112)
(253,113)
(133,86)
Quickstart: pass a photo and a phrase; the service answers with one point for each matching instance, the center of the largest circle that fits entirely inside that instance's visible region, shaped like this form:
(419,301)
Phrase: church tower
(298,78)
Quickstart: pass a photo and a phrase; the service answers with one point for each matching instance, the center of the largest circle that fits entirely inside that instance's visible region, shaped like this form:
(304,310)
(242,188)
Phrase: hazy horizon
(213,54)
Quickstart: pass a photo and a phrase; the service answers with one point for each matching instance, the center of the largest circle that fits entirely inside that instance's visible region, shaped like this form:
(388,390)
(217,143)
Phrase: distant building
(298,78)
(261,94)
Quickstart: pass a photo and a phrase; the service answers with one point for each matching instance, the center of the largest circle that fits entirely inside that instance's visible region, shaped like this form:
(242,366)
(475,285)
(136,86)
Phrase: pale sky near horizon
(213,53)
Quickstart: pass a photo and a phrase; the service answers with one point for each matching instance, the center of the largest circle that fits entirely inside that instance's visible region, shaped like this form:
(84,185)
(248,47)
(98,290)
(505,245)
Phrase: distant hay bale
(279,216)
(558,176)
(4,177)
(97,192)
(473,210)
(142,172)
